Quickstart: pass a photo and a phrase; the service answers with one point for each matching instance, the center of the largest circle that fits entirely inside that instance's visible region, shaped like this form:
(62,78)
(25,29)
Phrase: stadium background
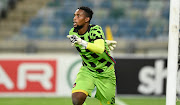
(33,41)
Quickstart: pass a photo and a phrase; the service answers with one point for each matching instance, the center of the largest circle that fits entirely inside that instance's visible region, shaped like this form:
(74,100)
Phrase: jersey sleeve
(97,33)
(97,46)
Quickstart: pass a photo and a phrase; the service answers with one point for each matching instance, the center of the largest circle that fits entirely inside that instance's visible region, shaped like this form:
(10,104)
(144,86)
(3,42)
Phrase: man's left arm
(96,47)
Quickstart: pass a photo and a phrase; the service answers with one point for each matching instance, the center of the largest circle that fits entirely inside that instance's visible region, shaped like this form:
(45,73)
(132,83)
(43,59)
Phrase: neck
(83,29)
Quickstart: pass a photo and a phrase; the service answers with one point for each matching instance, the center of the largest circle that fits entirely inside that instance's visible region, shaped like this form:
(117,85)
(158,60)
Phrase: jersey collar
(89,27)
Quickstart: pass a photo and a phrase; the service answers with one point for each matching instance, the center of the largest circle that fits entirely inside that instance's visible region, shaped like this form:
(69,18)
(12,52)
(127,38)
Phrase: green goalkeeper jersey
(97,63)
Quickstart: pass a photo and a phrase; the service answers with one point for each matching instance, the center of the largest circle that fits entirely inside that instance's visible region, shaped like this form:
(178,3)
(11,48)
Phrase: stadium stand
(4,6)
(135,19)
(15,14)
(50,20)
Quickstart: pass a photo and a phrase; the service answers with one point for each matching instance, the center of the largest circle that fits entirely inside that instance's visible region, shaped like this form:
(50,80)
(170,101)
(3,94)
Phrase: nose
(74,18)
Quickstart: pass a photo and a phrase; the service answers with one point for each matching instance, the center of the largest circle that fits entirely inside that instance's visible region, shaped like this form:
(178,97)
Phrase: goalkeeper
(97,68)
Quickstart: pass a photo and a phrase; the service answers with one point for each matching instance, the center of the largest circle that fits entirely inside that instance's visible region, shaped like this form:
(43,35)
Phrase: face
(80,18)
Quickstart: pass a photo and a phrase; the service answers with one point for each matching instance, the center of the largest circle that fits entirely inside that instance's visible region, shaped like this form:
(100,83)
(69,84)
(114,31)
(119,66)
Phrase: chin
(78,27)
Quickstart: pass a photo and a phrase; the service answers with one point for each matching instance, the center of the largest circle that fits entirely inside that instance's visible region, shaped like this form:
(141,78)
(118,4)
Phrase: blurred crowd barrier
(139,26)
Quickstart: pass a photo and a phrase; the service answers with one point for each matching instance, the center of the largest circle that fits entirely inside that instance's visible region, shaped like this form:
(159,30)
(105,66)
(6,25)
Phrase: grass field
(89,101)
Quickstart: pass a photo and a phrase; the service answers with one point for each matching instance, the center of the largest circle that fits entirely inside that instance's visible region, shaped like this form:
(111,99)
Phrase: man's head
(82,16)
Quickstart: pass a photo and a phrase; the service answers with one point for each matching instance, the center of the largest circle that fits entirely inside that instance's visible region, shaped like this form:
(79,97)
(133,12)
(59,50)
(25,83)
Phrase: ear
(87,19)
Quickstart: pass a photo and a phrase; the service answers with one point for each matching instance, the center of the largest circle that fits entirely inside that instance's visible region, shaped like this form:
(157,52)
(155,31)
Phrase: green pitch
(89,101)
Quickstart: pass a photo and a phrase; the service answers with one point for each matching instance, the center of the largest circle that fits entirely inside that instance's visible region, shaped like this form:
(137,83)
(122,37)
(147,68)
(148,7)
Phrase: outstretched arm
(96,47)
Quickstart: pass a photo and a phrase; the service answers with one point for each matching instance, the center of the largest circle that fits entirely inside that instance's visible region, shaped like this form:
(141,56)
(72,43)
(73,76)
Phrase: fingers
(72,44)
(68,36)
(111,48)
(113,45)
(113,42)
(73,38)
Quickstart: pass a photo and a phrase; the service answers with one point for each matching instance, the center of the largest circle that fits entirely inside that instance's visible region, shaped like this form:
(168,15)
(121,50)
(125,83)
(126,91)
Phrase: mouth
(74,23)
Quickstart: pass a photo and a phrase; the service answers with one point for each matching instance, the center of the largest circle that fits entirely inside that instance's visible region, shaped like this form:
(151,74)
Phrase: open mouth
(74,23)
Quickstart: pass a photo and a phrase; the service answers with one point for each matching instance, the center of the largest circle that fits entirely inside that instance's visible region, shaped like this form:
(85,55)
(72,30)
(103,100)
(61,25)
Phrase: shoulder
(95,27)
(72,31)
(96,32)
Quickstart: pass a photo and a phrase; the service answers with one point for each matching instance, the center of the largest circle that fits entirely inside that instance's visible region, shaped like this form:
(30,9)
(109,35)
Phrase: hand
(73,39)
(111,44)
(76,40)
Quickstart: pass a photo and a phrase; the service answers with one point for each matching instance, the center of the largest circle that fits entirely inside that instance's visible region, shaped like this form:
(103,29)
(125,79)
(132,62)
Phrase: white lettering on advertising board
(43,78)
(152,78)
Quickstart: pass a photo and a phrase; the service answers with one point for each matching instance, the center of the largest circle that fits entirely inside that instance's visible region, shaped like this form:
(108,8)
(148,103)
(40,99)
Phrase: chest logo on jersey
(74,85)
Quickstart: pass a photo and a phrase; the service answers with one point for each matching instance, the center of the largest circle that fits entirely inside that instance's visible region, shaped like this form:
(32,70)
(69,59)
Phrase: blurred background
(41,26)
(33,44)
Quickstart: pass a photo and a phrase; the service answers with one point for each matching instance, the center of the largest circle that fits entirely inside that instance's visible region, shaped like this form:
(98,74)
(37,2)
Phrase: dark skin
(80,19)
(78,98)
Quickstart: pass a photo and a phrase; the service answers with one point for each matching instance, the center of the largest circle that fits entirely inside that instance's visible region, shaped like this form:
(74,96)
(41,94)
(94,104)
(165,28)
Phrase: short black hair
(88,11)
